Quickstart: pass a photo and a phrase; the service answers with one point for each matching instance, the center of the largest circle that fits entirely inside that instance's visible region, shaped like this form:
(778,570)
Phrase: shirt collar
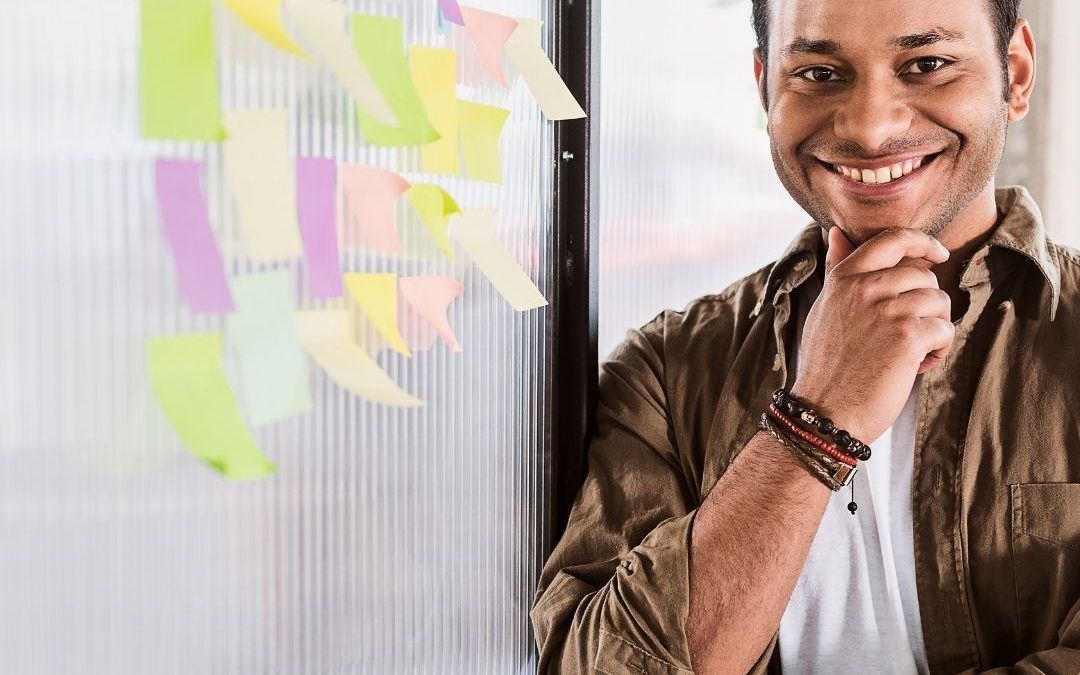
(1020,229)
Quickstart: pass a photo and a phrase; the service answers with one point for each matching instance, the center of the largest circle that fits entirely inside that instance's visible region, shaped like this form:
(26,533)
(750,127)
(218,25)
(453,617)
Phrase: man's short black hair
(1003,13)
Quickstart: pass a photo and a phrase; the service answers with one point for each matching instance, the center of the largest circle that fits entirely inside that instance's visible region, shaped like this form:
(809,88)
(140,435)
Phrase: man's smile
(878,177)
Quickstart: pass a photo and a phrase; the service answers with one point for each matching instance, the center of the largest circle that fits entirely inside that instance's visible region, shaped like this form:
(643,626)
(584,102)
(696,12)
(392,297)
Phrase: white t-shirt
(855,607)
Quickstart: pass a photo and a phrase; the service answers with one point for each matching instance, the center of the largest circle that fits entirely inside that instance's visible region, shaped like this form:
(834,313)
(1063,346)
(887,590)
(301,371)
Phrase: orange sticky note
(376,295)
(370,195)
(489,32)
(431,296)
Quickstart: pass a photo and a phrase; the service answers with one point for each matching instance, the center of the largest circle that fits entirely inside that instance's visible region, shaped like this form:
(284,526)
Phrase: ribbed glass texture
(389,540)
(688,200)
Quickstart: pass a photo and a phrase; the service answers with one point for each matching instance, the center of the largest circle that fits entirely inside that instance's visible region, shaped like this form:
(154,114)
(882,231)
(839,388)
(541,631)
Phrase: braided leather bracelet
(833,474)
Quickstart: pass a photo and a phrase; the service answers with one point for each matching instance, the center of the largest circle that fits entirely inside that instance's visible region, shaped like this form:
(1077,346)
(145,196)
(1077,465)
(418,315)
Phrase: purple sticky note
(451,11)
(318,230)
(199,266)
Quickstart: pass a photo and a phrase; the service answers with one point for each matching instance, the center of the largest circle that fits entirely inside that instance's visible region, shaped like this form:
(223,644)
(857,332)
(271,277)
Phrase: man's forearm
(748,545)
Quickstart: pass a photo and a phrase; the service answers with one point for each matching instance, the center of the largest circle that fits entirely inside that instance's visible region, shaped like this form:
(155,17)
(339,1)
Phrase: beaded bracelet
(801,412)
(834,475)
(828,448)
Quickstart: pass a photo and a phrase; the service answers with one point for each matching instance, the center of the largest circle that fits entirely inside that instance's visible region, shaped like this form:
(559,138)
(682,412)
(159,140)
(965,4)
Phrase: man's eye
(926,65)
(820,74)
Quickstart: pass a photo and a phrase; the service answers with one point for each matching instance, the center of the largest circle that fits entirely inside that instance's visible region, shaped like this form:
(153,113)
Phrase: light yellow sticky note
(480,127)
(259,170)
(190,387)
(322,23)
(376,295)
(327,336)
(264,17)
(434,206)
(434,72)
(539,74)
(474,231)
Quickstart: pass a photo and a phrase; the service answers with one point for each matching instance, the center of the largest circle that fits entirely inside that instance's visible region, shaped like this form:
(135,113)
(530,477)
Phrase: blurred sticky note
(376,295)
(273,366)
(259,170)
(547,87)
(430,296)
(178,82)
(434,206)
(195,251)
(451,11)
(489,32)
(190,387)
(264,17)
(480,127)
(316,208)
(370,195)
(378,41)
(322,23)
(475,232)
(327,336)
(434,72)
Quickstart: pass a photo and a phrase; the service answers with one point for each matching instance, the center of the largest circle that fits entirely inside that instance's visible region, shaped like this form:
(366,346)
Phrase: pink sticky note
(371,194)
(489,32)
(318,228)
(199,266)
(418,333)
(451,11)
(430,296)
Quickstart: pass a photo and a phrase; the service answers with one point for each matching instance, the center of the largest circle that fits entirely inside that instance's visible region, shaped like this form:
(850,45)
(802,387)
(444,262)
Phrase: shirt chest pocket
(1046,558)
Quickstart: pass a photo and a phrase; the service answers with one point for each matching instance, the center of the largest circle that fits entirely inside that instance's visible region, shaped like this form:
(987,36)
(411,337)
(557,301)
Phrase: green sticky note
(178,71)
(190,386)
(481,125)
(378,42)
(434,205)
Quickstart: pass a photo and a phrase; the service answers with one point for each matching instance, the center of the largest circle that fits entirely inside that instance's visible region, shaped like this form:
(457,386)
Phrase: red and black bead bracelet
(800,412)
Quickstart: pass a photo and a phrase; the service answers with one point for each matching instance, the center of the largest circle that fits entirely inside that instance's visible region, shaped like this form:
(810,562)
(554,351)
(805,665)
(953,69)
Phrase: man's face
(885,113)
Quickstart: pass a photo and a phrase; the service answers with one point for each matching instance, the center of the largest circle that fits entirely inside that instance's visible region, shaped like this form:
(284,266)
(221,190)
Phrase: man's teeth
(885,174)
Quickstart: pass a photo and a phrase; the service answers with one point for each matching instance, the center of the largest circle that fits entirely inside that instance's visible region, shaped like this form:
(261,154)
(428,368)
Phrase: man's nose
(874,112)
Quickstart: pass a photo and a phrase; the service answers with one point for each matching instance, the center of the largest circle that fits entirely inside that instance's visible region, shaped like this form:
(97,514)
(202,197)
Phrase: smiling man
(917,345)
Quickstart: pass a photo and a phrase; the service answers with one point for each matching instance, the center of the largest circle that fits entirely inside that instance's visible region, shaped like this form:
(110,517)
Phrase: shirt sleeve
(614,594)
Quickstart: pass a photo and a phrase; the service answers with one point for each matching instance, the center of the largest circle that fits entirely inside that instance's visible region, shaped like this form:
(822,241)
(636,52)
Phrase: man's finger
(888,248)
(839,248)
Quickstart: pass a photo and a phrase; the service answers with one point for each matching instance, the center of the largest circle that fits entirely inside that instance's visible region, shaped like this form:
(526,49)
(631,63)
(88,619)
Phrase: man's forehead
(834,24)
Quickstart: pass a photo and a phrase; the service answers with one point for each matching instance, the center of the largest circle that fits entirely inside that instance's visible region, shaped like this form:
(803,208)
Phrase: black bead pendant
(853,507)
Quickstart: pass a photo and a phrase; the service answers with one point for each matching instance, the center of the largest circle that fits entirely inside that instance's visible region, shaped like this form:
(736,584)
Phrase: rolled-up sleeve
(614,595)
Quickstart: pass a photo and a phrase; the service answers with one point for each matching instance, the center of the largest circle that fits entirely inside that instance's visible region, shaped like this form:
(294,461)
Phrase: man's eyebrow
(802,45)
(934,35)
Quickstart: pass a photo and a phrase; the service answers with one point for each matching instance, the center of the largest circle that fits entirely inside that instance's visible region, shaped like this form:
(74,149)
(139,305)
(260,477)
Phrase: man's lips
(873,176)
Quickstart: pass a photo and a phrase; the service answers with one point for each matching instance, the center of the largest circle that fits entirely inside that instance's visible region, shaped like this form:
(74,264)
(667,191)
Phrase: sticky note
(370,195)
(451,11)
(547,87)
(259,170)
(190,387)
(480,127)
(376,295)
(264,17)
(378,42)
(273,365)
(178,84)
(195,251)
(327,336)
(434,206)
(489,32)
(474,231)
(316,207)
(434,72)
(322,24)
(430,296)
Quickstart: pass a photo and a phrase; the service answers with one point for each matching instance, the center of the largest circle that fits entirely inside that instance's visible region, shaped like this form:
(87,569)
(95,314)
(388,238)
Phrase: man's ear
(762,83)
(1022,69)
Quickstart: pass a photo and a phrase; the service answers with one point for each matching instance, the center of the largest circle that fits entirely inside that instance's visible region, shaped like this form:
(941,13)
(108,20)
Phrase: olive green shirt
(995,488)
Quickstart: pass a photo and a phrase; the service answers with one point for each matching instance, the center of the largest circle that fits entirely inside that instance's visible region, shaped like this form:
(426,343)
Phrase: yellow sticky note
(434,72)
(434,206)
(480,127)
(264,17)
(178,86)
(259,169)
(190,387)
(376,295)
(378,42)
(539,74)
(322,23)
(475,232)
(327,336)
